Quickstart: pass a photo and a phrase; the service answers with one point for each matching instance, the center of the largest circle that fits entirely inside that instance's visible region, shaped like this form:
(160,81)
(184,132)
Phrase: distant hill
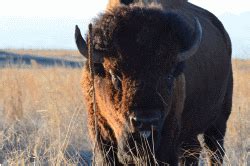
(26,60)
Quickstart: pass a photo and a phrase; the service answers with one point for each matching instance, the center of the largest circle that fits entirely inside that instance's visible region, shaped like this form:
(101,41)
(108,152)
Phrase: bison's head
(138,61)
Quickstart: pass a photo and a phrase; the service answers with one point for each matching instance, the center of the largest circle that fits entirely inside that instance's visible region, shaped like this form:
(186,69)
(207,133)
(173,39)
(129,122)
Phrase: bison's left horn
(182,56)
(82,47)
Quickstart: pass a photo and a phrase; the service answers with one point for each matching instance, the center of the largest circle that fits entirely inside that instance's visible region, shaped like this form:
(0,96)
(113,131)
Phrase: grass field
(42,115)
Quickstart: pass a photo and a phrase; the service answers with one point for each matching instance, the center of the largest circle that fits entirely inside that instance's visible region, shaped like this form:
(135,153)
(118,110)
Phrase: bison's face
(138,55)
(135,97)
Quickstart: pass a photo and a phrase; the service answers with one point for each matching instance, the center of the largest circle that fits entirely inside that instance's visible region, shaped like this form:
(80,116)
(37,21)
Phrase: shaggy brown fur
(140,72)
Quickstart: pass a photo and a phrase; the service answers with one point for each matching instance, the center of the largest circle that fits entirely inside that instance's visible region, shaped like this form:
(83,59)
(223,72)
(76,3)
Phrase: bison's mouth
(140,145)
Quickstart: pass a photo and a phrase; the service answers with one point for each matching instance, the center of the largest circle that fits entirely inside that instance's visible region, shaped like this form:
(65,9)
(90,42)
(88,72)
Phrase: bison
(161,78)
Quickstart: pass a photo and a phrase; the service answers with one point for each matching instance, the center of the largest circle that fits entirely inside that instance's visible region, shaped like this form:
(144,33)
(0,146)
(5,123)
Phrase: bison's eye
(99,69)
(116,80)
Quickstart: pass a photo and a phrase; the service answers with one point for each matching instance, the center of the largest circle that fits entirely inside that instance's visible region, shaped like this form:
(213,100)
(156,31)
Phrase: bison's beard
(136,149)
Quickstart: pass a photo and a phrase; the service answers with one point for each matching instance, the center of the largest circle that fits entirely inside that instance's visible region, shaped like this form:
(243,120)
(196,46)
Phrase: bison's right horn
(82,47)
(81,44)
(182,56)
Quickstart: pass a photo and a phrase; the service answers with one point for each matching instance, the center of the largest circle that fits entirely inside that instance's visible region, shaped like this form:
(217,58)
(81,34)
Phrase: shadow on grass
(85,158)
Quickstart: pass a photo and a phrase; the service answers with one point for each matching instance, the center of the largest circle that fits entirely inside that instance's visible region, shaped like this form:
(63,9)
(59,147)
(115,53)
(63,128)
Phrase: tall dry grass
(237,138)
(42,116)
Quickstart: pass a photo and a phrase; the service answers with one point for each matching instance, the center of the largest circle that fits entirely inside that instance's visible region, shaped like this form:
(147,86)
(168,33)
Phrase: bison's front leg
(168,151)
(169,148)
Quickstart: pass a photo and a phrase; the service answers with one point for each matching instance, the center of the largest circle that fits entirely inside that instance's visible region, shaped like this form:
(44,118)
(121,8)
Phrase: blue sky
(88,8)
(50,23)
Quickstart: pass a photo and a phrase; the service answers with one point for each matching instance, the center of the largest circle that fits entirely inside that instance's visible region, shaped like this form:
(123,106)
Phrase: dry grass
(42,114)
(237,139)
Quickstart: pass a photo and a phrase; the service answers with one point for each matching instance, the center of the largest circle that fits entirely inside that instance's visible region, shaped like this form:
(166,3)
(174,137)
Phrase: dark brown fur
(141,45)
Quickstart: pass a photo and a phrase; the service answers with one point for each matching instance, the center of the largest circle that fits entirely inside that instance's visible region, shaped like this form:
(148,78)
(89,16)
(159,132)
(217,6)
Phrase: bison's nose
(144,123)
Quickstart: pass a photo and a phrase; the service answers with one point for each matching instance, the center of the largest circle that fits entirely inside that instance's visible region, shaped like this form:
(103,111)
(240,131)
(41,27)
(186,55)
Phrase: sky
(219,7)
(50,23)
(51,8)
(84,8)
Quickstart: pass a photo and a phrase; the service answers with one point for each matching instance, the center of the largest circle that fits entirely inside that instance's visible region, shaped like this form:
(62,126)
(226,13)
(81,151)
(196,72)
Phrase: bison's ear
(192,46)
(80,42)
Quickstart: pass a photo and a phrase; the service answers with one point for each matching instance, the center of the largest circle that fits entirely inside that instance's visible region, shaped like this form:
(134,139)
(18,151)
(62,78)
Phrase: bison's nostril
(135,123)
(143,124)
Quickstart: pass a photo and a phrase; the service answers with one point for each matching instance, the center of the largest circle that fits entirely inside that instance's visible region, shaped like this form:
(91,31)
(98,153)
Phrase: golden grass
(42,114)
(237,139)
